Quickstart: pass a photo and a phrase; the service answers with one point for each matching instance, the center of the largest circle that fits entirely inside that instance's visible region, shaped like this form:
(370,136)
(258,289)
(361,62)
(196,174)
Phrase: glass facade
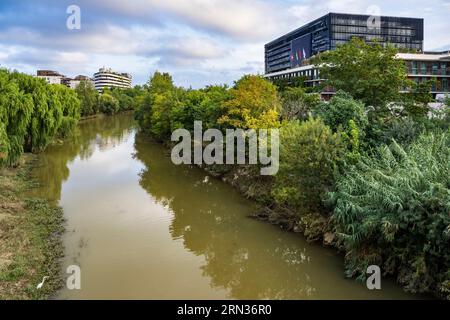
(334,29)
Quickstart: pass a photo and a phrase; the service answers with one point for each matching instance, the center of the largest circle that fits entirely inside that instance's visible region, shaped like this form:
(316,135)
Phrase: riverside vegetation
(367,172)
(33,114)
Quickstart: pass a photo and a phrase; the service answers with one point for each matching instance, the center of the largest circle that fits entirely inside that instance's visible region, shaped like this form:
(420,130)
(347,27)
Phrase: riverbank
(30,237)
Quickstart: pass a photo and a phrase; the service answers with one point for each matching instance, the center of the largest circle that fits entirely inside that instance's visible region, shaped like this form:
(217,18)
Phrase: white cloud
(198,41)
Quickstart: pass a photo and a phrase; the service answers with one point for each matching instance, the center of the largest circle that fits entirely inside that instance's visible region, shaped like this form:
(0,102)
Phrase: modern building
(52,77)
(427,66)
(288,56)
(106,78)
(421,67)
(333,29)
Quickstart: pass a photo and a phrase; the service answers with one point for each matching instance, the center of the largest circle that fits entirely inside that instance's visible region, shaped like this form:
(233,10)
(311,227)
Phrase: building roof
(427,56)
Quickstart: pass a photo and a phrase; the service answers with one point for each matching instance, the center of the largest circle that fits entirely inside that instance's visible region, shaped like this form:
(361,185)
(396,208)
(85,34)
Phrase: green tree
(254,103)
(71,111)
(108,104)
(32,113)
(298,104)
(368,72)
(154,114)
(88,97)
(16,109)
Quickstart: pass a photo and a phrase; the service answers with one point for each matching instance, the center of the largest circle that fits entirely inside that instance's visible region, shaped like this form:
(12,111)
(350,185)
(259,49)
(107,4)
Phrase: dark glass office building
(334,29)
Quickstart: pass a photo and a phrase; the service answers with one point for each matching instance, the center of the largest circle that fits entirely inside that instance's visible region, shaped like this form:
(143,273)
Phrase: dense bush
(298,104)
(309,155)
(32,113)
(392,209)
(340,110)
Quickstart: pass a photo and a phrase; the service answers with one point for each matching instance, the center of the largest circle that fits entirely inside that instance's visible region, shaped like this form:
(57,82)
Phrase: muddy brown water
(140,227)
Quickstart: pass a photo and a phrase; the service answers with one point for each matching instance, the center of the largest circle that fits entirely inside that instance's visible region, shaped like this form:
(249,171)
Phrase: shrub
(393,209)
(309,156)
(340,110)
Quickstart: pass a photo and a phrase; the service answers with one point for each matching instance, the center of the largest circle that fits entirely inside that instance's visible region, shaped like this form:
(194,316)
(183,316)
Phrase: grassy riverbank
(30,237)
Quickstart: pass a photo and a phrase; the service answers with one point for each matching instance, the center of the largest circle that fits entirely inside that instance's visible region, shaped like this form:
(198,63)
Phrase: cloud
(198,41)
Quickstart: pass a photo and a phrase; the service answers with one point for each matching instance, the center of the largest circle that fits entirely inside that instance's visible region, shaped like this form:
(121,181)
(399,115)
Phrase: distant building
(421,67)
(52,77)
(429,65)
(74,82)
(106,78)
(334,29)
(288,57)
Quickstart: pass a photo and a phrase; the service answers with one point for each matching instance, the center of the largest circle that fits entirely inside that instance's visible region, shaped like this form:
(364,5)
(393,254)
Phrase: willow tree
(32,113)
(15,113)
(88,97)
(71,111)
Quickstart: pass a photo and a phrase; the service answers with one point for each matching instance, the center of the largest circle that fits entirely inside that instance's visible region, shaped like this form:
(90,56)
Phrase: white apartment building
(52,77)
(107,78)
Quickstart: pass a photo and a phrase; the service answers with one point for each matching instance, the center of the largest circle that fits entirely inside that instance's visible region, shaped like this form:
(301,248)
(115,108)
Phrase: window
(443,68)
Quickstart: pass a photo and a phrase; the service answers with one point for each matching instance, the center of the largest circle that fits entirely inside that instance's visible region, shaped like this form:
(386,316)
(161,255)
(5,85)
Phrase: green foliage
(155,106)
(393,208)
(309,156)
(199,105)
(298,104)
(403,130)
(88,97)
(4,143)
(286,84)
(32,113)
(163,107)
(415,102)
(368,72)
(16,109)
(71,111)
(254,103)
(108,104)
(340,110)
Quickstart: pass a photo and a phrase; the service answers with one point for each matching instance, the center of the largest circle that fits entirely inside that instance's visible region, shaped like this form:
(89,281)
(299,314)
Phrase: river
(140,227)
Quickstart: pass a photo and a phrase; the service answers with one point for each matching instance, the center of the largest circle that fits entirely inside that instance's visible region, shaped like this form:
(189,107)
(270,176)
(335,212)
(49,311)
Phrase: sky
(199,42)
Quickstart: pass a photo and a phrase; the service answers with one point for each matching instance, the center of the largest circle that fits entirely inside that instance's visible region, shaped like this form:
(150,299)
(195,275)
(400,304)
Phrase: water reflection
(141,227)
(247,258)
(104,133)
